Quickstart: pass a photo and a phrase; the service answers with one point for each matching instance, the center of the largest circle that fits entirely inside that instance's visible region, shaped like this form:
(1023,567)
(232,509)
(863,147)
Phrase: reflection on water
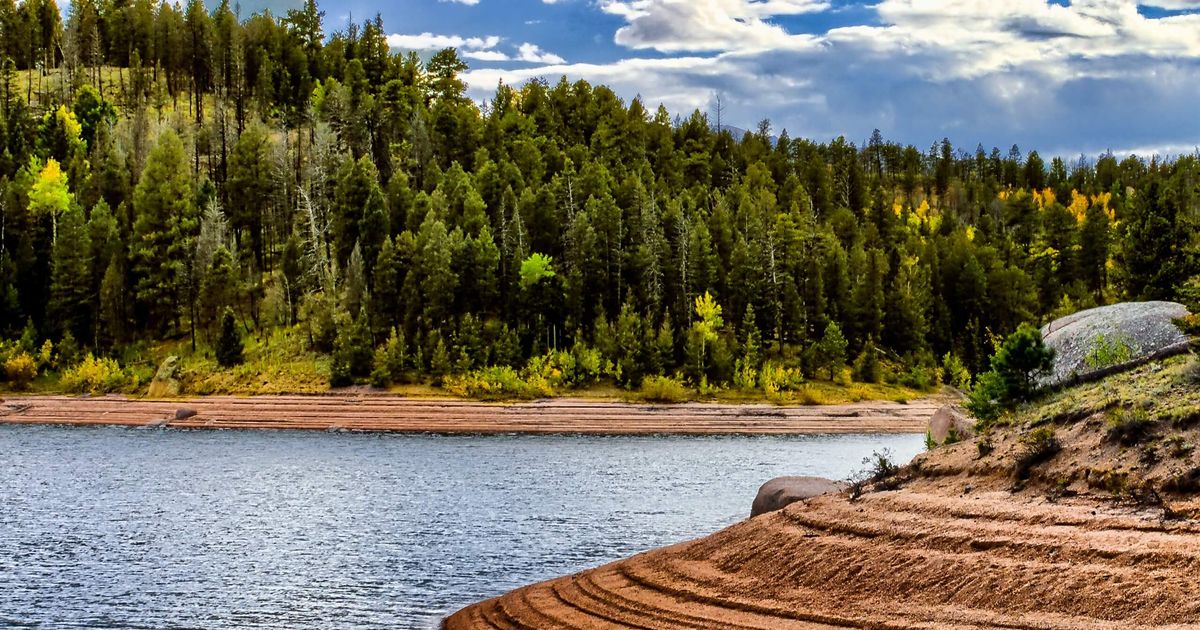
(130,528)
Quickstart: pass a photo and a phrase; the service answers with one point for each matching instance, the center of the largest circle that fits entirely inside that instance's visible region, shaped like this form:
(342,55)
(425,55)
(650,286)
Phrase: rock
(165,384)
(950,416)
(184,413)
(781,492)
(1146,328)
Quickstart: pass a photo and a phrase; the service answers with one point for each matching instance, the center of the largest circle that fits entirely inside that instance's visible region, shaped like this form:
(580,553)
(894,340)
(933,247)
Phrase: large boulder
(1135,332)
(950,417)
(781,492)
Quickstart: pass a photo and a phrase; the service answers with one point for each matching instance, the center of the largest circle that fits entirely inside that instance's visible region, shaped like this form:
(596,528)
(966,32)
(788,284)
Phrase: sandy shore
(926,556)
(408,415)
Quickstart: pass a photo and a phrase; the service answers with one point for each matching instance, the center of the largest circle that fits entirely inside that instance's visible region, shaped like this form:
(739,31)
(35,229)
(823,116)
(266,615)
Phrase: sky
(1065,77)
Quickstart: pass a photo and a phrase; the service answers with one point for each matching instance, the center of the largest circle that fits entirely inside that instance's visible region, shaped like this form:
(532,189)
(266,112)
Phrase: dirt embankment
(924,556)
(398,414)
(1081,513)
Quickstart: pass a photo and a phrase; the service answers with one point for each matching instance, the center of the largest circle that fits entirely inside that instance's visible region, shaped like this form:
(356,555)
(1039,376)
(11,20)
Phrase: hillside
(1073,513)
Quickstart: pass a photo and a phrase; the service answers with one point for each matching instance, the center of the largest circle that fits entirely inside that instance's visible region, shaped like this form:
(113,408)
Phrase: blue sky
(1063,76)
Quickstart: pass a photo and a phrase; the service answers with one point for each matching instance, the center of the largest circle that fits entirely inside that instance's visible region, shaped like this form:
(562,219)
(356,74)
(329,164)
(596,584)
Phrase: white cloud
(1082,77)
(708,25)
(486,55)
(534,54)
(466,2)
(429,41)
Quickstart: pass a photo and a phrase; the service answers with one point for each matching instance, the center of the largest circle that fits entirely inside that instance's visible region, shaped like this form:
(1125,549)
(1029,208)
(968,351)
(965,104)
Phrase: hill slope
(1069,514)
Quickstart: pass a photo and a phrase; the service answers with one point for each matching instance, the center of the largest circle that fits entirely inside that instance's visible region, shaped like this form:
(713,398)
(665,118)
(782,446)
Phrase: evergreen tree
(229,343)
(71,288)
(164,232)
(830,352)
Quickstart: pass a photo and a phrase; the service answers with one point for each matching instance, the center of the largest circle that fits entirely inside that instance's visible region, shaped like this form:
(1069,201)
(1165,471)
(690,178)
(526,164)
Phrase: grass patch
(1036,447)
(1129,427)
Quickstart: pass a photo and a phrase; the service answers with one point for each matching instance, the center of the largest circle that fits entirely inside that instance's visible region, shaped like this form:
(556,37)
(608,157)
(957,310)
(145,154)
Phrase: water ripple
(106,527)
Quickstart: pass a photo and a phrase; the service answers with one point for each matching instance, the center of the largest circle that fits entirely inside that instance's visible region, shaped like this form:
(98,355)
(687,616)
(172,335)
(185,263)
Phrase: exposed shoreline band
(386,413)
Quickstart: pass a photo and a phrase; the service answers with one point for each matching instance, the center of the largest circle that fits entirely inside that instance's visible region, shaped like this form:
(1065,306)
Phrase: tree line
(167,172)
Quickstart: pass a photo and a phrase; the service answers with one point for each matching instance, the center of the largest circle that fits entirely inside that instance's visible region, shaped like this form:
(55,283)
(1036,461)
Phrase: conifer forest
(269,201)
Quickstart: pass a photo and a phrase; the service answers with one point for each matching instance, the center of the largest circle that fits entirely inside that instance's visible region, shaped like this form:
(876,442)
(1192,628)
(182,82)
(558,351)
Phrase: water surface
(112,527)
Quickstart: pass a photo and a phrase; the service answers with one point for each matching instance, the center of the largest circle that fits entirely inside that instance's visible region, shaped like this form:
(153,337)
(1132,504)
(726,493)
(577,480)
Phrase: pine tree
(830,352)
(164,232)
(229,343)
(71,288)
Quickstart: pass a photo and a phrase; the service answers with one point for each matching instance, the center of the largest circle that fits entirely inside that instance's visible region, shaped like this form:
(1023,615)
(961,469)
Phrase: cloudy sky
(1061,76)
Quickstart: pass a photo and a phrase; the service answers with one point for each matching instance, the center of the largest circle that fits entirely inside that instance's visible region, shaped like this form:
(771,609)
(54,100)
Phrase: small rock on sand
(781,492)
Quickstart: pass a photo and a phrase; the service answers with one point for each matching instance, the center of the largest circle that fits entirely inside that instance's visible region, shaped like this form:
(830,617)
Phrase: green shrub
(68,351)
(1037,446)
(918,377)
(1108,351)
(665,389)
(777,379)
(955,373)
(745,375)
(984,401)
(495,383)
(1129,426)
(866,367)
(94,376)
(589,364)
(20,369)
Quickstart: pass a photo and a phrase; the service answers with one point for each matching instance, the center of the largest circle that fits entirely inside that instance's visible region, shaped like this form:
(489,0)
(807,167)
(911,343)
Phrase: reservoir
(134,528)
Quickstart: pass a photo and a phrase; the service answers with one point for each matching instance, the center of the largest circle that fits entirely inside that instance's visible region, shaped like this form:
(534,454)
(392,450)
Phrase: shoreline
(396,414)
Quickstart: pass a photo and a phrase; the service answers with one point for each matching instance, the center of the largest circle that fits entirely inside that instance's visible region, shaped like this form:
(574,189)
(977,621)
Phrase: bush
(1037,446)
(866,366)
(918,377)
(665,389)
(776,379)
(955,373)
(1129,426)
(745,375)
(1108,352)
(68,351)
(984,401)
(589,364)
(20,370)
(494,383)
(94,376)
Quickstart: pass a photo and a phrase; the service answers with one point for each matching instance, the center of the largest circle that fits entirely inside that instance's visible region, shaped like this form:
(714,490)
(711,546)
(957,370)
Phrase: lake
(111,527)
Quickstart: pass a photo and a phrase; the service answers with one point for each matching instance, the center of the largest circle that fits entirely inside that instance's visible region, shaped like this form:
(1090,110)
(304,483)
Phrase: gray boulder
(947,418)
(781,492)
(1138,332)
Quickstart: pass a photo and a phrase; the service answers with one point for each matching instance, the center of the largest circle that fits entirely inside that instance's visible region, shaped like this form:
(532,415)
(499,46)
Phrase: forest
(290,209)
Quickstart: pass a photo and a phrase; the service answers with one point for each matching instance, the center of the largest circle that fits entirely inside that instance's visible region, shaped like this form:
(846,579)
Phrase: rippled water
(109,527)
